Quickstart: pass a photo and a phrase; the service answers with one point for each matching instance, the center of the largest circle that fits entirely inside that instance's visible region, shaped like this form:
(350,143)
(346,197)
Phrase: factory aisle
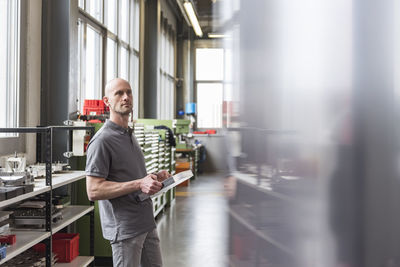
(194,231)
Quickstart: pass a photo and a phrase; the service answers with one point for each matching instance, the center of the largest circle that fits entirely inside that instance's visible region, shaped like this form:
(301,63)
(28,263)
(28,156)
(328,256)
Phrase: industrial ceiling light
(193,18)
(217,35)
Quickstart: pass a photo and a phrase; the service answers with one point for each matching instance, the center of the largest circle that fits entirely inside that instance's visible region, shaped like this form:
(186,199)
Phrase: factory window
(134,55)
(93,64)
(110,18)
(124,20)
(9,64)
(114,25)
(209,86)
(90,55)
(167,70)
(124,68)
(95,8)
(209,99)
(111,59)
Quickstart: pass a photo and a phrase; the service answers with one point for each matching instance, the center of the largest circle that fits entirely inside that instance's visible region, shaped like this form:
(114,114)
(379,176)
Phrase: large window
(108,46)
(209,86)
(93,61)
(9,64)
(167,70)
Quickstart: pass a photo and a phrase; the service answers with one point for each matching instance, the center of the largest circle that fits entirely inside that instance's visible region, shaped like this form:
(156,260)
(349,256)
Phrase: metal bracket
(68,154)
(68,123)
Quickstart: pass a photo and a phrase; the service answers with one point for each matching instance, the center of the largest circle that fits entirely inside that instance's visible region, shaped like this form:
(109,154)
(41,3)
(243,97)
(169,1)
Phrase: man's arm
(98,188)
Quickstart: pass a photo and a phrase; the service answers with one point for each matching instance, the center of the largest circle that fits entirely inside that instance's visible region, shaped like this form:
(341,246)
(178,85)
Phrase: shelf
(64,178)
(253,183)
(58,179)
(160,208)
(37,190)
(71,214)
(80,261)
(25,240)
(259,233)
(233,262)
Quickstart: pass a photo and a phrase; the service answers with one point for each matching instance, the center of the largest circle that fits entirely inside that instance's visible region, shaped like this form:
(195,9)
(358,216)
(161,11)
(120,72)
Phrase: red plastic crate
(9,239)
(94,107)
(66,246)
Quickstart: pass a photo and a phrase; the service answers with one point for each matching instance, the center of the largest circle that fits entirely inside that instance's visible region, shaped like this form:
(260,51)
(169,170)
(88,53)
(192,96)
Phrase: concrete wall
(151,60)
(33,62)
(56,70)
(217,153)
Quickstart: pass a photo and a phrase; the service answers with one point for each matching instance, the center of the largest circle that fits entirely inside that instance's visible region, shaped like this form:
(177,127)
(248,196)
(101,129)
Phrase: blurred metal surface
(315,92)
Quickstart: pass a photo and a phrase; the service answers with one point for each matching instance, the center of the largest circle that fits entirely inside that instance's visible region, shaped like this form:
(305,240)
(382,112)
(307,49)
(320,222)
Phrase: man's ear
(105,100)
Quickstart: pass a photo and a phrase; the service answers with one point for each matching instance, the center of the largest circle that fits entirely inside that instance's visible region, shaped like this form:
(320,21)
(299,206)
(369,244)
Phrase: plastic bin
(94,107)
(3,252)
(65,245)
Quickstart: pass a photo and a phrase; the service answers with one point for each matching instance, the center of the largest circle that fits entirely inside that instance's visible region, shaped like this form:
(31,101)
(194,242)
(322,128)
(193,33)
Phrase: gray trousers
(143,249)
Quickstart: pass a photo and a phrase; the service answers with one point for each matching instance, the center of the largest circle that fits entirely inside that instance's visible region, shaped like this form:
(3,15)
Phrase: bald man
(115,175)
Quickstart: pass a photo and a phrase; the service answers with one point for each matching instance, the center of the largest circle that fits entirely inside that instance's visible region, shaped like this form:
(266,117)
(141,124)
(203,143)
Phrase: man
(115,175)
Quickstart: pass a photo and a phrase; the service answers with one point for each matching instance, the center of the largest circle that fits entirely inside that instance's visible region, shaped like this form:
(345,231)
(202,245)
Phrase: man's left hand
(162,175)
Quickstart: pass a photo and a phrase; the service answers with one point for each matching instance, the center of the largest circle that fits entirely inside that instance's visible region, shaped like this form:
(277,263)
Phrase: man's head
(118,96)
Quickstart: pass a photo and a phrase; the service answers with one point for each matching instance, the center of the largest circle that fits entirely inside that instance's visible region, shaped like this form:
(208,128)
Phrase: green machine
(181,132)
(169,151)
(166,155)
(184,143)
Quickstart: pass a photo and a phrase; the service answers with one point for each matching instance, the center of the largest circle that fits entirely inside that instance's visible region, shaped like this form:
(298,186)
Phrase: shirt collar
(118,128)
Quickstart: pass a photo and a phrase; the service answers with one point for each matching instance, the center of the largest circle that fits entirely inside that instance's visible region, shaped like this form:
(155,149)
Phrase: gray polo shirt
(113,153)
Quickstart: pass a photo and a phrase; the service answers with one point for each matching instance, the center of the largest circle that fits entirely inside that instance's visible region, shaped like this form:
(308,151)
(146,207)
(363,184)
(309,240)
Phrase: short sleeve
(98,159)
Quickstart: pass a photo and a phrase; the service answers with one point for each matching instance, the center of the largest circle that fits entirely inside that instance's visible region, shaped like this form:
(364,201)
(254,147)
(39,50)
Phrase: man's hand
(150,185)
(163,175)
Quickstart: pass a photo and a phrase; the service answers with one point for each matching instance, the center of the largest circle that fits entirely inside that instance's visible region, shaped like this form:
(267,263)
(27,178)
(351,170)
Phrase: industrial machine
(182,133)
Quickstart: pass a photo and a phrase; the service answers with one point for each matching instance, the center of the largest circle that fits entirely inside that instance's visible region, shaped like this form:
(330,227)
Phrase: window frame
(14,96)
(132,74)
(167,69)
(208,44)
(16,143)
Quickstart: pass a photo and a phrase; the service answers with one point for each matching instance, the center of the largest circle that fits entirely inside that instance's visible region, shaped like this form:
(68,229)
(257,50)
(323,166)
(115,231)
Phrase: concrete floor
(194,230)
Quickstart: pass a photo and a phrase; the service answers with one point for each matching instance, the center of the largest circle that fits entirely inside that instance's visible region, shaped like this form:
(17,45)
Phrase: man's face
(120,98)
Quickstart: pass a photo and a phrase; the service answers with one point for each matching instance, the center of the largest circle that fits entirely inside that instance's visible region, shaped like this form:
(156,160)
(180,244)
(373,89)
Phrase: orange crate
(180,167)
(183,165)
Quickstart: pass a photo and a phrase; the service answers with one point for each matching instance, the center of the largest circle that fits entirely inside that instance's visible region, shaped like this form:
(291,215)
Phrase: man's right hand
(150,185)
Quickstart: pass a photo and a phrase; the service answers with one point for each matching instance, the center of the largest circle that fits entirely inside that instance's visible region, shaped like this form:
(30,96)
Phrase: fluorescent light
(217,35)
(181,8)
(193,18)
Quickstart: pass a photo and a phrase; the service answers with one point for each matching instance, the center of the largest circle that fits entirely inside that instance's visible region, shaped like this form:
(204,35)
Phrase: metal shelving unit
(39,188)
(70,215)
(253,183)
(26,239)
(80,261)
(260,233)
